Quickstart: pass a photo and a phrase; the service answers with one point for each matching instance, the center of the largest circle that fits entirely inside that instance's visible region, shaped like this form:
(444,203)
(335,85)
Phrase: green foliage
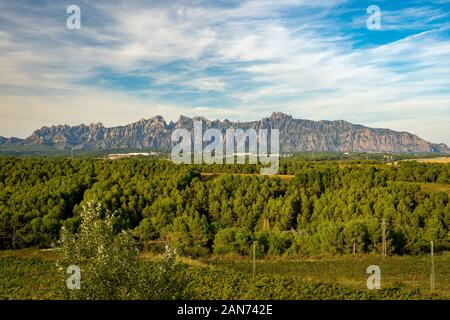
(233,240)
(165,280)
(108,263)
(328,238)
(356,235)
(28,274)
(190,235)
(274,242)
(231,285)
(326,208)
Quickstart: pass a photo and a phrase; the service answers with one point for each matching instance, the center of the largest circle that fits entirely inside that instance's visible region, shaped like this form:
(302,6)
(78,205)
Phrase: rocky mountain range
(295,135)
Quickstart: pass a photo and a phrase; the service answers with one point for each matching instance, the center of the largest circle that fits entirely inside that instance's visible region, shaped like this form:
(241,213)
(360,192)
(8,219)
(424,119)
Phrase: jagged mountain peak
(295,135)
(280,116)
(158,118)
(183,118)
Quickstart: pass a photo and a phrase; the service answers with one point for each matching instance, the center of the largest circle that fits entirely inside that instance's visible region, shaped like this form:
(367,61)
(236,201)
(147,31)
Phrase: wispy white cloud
(410,18)
(247,59)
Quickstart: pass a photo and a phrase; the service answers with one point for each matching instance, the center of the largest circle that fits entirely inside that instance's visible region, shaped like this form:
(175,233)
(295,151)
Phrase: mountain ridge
(295,135)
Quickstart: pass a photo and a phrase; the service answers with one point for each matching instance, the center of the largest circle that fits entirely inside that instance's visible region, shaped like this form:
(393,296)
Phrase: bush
(273,242)
(327,239)
(233,240)
(165,280)
(107,263)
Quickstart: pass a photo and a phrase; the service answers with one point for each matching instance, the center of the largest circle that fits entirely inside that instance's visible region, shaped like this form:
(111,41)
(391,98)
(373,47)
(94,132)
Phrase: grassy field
(30,274)
(435,160)
(405,272)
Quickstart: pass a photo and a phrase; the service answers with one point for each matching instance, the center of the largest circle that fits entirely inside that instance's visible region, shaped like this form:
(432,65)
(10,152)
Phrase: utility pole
(71,153)
(432,278)
(254,258)
(383,236)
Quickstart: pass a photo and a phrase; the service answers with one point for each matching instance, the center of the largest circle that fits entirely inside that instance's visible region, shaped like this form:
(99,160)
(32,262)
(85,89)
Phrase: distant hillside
(295,135)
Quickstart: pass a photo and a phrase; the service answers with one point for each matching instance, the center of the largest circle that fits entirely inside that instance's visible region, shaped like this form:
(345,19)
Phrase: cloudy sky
(226,59)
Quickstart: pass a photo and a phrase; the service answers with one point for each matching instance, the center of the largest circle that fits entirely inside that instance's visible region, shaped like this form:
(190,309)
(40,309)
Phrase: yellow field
(435,160)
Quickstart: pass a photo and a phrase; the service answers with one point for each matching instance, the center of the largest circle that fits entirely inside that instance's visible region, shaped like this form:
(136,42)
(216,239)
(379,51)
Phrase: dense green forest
(328,207)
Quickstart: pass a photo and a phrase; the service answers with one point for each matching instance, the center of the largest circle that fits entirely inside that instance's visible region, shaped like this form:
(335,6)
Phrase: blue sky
(239,60)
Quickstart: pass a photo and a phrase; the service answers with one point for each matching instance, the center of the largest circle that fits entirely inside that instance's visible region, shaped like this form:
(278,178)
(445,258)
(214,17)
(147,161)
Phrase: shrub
(233,240)
(107,263)
(327,239)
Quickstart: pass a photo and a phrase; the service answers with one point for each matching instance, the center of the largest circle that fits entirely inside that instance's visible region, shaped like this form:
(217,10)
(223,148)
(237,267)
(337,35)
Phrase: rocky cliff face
(295,135)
